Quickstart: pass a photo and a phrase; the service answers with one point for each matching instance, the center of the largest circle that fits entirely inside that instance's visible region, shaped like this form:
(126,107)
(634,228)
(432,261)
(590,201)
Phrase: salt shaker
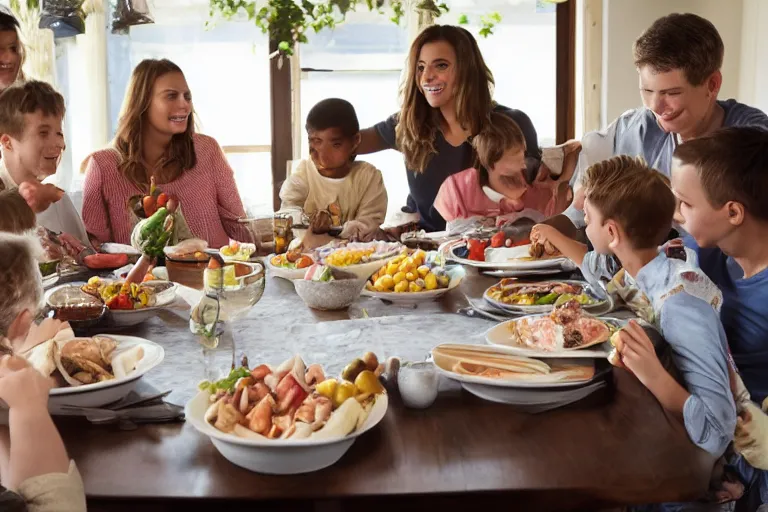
(418,384)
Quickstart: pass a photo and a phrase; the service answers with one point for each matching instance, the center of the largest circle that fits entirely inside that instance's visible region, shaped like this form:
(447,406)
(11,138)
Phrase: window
(227,69)
(521,53)
(360,61)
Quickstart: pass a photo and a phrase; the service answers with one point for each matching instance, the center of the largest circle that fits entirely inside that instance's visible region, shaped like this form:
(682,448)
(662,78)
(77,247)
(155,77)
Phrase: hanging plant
(288,21)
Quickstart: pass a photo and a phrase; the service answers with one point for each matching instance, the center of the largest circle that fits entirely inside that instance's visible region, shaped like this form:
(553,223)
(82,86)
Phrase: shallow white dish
(278,456)
(107,392)
(285,273)
(539,383)
(499,336)
(532,309)
(507,262)
(125,318)
(456,272)
(534,399)
(50,280)
(365,270)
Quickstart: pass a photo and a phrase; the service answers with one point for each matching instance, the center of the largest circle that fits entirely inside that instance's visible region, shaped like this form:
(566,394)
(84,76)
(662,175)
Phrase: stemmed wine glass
(230,291)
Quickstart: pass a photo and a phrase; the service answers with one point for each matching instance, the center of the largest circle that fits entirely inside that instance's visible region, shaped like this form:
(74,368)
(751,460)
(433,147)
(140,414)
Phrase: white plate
(548,307)
(50,280)
(499,336)
(456,272)
(539,383)
(506,262)
(278,456)
(365,270)
(532,400)
(519,273)
(286,273)
(107,392)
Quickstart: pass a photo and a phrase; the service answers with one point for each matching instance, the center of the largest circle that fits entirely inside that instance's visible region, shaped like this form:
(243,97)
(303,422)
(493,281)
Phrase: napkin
(125,413)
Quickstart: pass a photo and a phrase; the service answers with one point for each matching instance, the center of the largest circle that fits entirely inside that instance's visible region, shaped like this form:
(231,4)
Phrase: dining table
(617,447)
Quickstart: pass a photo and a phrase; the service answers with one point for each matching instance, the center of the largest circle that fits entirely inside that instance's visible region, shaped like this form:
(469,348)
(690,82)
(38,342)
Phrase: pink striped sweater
(207,193)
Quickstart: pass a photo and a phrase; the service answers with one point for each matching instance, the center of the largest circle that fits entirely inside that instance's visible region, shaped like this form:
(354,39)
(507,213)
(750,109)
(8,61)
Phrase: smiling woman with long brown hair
(156,139)
(447,98)
(11,51)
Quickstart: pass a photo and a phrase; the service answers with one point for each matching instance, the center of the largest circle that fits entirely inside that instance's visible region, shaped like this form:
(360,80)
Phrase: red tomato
(477,249)
(497,240)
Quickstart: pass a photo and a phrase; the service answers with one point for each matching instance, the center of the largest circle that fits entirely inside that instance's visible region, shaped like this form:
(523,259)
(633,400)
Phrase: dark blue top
(447,161)
(744,315)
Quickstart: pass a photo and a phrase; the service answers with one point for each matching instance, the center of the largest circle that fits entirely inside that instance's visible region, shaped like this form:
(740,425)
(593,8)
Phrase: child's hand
(751,436)
(72,245)
(541,235)
(638,354)
(38,333)
(674,249)
(39,196)
(21,386)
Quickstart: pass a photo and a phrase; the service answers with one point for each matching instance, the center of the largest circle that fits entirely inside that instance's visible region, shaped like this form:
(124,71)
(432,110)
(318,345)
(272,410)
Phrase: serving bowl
(279,456)
(331,295)
(71,294)
(455,272)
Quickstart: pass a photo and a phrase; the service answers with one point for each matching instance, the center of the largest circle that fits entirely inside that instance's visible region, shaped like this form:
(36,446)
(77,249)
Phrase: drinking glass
(230,292)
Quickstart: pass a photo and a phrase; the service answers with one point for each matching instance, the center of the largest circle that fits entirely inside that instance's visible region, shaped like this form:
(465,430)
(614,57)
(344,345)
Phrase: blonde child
(33,461)
(503,186)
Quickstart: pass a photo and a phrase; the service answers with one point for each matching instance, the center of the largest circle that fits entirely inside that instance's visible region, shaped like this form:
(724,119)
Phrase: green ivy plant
(288,21)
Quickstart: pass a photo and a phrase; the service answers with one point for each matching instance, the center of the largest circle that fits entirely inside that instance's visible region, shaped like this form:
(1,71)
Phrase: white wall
(753,79)
(625,20)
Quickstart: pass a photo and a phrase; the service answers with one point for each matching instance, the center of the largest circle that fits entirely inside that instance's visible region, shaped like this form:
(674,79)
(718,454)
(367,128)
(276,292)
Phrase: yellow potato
(384,283)
(399,276)
(411,276)
(430,281)
(443,281)
(413,287)
(402,286)
(423,270)
(392,268)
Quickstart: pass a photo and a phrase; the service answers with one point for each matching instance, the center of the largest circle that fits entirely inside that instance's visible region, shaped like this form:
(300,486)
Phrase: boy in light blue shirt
(629,209)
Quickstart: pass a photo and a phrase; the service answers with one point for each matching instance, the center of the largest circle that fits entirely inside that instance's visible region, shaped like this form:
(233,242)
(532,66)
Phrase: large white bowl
(456,272)
(329,296)
(278,456)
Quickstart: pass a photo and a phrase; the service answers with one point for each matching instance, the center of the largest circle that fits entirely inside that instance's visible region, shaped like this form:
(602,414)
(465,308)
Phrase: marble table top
(281,325)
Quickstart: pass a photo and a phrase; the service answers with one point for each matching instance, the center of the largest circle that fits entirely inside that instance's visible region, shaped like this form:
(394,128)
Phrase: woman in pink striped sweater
(156,138)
